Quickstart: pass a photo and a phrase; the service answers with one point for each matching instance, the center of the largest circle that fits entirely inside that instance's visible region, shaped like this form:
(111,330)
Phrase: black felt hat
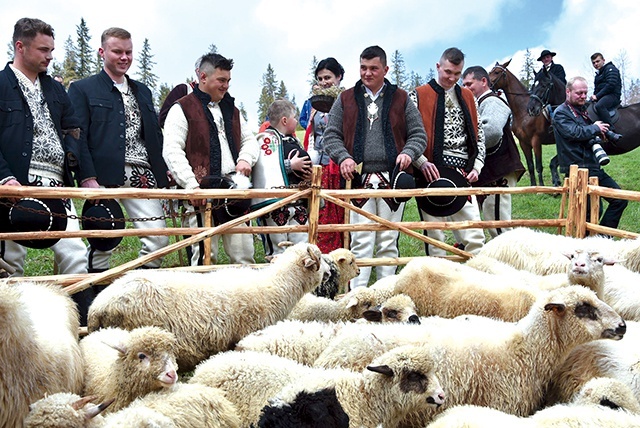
(442,206)
(232,207)
(322,103)
(103,215)
(401,180)
(546,52)
(37,215)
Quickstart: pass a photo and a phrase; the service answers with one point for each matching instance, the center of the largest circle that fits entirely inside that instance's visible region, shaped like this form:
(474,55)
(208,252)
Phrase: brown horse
(532,131)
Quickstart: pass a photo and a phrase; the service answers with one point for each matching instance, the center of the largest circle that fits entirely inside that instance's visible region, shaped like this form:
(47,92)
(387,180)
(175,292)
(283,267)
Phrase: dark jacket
(555,69)
(16,129)
(100,109)
(607,81)
(573,133)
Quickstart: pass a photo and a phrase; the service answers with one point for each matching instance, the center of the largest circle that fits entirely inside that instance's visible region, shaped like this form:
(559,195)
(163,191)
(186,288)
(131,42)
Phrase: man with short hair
(207,137)
(607,87)
(36,143)
(574,133)
(376,125)
(455,139)
(502,165)
(120,128)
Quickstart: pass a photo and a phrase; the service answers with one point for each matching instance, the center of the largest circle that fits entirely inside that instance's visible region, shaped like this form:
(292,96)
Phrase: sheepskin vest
(203,145)
(354,120)
(431,107)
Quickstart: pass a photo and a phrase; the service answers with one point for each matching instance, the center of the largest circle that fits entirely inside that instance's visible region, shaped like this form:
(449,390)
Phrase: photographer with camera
(578,140)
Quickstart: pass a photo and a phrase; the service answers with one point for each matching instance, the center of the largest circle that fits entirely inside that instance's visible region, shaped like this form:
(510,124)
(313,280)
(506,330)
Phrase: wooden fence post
(314,204)
(594,216)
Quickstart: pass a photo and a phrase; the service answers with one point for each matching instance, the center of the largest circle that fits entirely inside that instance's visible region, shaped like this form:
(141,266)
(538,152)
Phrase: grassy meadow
(623,168)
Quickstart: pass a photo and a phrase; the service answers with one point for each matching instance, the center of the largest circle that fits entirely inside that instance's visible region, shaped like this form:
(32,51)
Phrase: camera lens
(601,155)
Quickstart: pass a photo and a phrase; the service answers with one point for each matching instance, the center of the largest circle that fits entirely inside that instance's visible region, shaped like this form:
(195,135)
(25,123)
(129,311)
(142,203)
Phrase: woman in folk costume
(329,74)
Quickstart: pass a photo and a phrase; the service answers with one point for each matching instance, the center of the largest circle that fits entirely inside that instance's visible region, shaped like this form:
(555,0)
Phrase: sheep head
(64,409)
(578,316)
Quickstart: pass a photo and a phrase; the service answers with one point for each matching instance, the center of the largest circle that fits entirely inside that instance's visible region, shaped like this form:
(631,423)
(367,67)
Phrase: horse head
(498,75)
(547,89)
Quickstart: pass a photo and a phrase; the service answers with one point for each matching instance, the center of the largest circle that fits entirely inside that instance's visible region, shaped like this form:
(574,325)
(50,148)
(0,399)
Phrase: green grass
(623,168)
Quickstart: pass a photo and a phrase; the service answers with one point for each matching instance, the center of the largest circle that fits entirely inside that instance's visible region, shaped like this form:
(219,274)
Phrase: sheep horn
(95,410)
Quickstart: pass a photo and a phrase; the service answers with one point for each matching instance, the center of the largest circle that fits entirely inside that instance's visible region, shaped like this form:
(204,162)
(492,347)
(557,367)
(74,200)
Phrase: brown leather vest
(198,138)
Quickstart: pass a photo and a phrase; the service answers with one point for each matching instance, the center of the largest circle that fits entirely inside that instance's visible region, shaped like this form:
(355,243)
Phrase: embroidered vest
(393,121)
(198,139)
(433,119)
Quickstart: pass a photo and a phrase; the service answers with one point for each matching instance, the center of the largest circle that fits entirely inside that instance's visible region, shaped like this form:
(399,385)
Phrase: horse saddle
(593,115)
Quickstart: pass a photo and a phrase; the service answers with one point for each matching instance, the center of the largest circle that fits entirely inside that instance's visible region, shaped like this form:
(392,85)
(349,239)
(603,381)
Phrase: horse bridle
(504,74)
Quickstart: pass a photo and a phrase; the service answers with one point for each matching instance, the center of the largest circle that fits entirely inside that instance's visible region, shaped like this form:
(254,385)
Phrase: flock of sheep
(527,333)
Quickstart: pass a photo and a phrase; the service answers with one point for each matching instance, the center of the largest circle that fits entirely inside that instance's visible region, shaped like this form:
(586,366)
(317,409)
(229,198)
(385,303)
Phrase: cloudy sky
(288,33)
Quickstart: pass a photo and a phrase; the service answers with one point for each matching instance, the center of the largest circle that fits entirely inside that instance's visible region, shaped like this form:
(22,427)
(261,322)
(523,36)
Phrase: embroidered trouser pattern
(383,243)
(284,216)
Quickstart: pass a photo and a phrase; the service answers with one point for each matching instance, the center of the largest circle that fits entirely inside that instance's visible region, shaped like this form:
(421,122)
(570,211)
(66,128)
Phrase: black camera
(598,151)
(612,136)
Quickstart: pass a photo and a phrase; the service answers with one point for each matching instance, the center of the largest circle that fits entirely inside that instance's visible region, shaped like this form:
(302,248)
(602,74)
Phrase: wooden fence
(571,220)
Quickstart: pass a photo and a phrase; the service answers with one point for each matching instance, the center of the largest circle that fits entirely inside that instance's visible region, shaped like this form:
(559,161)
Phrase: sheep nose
(622,328)
(414,319)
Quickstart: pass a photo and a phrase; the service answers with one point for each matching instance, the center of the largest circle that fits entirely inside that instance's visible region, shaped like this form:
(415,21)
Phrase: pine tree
(399,72)
(243,112)
(528,73)
(70,62)
(10,50)
(163,91)
(268,92)
(145,65)
(430,75)
(97,64)
(621,61)
(85,63)
(282,93)
(415,80)
(312,72)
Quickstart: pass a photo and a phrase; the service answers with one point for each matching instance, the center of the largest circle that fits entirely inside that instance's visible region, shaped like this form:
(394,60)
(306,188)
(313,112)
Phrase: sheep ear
(96,410)
(352,302)
(312,260)
(558,308)
(77,405)
(385,370)
(121,348)
(374,314)
(609,262)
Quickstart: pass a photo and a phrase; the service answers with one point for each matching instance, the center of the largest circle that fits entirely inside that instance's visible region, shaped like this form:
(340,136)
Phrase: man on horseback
(546,57)
(575,134)
(502,165)
(608,87)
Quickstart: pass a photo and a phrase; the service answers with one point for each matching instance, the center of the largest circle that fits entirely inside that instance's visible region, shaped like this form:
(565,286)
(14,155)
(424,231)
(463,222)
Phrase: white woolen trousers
(472,239)
(498,207)
(384,243)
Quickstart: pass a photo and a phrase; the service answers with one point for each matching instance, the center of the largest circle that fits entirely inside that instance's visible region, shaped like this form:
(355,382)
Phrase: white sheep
(64,409)
(39,353)
(138,417)
(601,403)
(211,312)
(185,405)
(601,358)
(301,341)
(507,368)
(395,384)
(125,365)
(448,289)
(399,308)
(621,291)
(343,268)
